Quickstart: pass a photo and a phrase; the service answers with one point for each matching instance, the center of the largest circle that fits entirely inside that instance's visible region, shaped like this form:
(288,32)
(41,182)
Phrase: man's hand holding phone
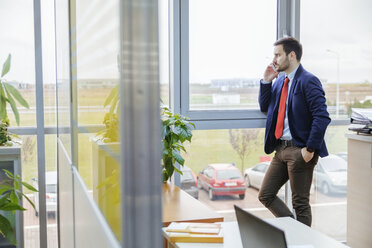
(270,73)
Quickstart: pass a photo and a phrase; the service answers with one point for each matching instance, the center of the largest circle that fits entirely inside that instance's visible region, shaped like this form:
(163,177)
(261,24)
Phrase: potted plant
(176,129)
(8,95)
(10,198)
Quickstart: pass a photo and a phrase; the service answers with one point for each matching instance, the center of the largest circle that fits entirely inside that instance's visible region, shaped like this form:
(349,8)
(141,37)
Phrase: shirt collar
(292,74)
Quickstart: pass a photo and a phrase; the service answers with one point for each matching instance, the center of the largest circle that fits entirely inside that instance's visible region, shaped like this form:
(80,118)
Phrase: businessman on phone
(297,119)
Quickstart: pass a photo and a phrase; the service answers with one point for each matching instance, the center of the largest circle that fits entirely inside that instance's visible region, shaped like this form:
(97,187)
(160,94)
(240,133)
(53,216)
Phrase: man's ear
(292,54)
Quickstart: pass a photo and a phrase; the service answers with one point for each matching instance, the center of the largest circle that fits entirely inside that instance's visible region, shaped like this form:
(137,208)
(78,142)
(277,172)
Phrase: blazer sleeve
(264,96)
(316,101)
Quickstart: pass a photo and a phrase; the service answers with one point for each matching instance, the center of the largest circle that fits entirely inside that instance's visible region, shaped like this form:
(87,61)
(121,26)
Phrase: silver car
(330,175)
(254,177)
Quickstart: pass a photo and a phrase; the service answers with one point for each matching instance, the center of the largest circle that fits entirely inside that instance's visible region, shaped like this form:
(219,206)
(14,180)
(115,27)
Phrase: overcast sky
(228,39)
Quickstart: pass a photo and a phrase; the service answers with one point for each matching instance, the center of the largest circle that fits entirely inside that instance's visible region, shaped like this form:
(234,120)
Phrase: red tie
(281,112)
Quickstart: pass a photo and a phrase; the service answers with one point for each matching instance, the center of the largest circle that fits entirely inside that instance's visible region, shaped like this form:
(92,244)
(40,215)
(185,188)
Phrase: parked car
(330,174)
(189,182)
(222,179)
(343,155)
(254,177)
(50,190)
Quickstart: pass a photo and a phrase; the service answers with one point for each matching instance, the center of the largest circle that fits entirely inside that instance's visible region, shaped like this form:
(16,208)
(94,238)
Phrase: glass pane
(29,175)
(17,39)
(228,51)
(164,51)
(97,70)
(331,186)
(340,60)
(220,146)
(63,73)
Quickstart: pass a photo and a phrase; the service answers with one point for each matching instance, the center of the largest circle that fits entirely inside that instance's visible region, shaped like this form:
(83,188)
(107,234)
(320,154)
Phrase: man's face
(280,60)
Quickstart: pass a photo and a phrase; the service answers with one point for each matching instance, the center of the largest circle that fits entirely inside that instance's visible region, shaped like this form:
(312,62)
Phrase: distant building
(225,84)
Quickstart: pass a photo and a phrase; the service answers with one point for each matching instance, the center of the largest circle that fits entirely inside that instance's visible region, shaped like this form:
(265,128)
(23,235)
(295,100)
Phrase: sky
(228,39)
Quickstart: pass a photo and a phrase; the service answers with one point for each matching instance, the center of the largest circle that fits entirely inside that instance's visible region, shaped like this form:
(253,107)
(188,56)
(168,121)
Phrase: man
(297,119)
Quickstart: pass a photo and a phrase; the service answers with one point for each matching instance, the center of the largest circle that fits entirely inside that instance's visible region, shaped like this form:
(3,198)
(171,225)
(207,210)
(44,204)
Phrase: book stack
(361,121)
(194,232)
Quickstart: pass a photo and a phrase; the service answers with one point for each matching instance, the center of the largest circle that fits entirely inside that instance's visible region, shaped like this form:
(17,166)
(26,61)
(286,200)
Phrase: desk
(296,234)
(181,207)
(359,190)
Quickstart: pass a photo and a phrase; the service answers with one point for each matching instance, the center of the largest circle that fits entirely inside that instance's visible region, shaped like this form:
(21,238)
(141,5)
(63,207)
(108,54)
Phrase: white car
(254,177)
(50,190)
(331,175)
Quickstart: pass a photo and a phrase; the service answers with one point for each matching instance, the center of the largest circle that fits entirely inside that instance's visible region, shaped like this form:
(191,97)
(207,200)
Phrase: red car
(222,179)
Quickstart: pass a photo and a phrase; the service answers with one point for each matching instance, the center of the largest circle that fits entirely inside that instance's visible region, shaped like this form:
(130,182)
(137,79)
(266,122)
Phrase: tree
(239,139)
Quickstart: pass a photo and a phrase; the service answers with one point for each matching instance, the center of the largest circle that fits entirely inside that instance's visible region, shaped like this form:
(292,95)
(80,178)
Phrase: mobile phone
(273,66)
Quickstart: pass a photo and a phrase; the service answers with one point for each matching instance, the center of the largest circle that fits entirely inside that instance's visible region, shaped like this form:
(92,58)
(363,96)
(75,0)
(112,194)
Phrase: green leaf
(7,230)
(10,206)
(6,66)
(13,106)
(16,95)
(179,171)
(28,186)
(3,114)
(9,174)
(13,197)
(28,199)
(3,200)
(177,156)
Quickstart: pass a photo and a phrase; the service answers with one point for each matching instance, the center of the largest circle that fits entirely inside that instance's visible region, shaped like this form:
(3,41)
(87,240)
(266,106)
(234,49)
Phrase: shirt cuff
(264,82)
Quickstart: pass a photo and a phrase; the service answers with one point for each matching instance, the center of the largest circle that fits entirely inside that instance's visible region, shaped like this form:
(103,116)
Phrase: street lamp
(338,81)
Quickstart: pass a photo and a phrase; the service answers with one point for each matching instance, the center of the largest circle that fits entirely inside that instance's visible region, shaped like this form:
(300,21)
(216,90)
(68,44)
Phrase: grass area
(207,146)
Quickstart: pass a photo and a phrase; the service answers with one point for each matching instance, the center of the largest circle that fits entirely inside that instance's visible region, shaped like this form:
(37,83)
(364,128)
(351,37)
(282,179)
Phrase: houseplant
(176,129)
(8,94)
(10,197)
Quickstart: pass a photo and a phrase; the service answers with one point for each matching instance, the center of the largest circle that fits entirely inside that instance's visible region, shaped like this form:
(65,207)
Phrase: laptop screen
(257,233)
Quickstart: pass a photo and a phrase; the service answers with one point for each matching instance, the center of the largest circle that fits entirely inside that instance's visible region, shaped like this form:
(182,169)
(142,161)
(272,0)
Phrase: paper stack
(361,120)
(194,232)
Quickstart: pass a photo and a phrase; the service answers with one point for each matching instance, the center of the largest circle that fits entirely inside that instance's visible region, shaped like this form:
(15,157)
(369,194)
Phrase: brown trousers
(288,163)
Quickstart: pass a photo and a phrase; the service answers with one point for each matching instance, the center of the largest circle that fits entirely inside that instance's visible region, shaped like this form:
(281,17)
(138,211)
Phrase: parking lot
(329,214)
(329,211)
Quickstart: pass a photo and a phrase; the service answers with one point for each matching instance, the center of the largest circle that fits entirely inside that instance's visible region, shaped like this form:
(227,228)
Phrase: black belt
(286,143)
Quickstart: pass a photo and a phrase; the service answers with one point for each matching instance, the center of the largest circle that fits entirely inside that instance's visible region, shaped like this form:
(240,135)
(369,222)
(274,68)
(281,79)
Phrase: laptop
(257,233)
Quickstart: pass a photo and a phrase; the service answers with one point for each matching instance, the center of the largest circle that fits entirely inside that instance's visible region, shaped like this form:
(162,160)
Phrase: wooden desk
(179,206)
(296,234)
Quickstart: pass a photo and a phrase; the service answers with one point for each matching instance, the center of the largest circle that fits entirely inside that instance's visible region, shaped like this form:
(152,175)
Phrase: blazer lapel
(294,83)
(293,86)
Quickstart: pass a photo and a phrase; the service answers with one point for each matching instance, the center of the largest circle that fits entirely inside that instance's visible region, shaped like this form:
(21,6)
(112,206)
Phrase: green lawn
(207,146)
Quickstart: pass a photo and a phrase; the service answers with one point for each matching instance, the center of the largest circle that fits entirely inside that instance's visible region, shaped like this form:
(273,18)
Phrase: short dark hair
(290,44)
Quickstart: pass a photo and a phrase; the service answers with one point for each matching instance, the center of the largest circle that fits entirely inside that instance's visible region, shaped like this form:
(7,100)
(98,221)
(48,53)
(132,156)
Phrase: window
(228,52)
(339,53)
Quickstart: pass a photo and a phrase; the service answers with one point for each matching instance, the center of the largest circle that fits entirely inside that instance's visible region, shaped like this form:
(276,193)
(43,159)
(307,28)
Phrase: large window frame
(288,24)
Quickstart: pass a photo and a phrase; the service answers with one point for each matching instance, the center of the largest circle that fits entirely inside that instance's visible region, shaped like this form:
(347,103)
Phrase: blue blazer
(307,111)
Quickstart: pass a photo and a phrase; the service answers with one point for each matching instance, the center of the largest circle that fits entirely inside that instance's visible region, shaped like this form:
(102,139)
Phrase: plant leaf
(7,230)
(6,65)
(13,106)
(28,186)
(10,206)
(16,95)
(3,114)
(9,174)
(28,199)
(177,156)
(13,197)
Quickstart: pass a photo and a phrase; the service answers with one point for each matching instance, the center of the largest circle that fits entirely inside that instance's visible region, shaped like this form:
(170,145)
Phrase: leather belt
(286,143)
